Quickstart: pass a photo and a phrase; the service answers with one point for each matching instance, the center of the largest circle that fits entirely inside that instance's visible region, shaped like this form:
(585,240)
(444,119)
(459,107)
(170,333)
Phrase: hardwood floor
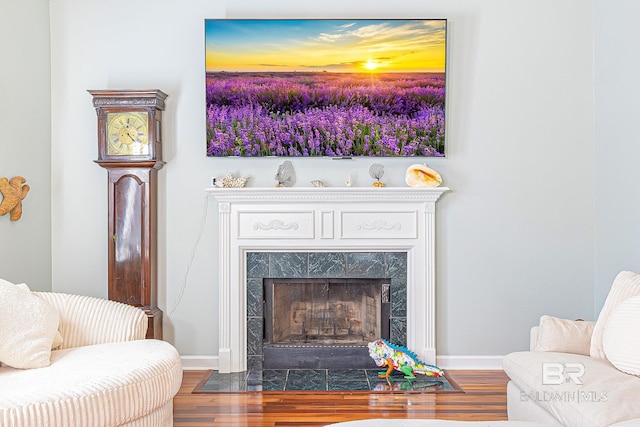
(484,399)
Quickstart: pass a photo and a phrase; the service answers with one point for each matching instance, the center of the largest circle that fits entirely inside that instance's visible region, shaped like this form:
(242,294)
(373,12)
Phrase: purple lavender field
(325,114)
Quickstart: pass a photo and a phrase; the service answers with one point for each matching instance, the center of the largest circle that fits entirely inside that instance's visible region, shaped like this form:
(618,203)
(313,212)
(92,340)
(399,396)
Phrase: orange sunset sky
(351,46)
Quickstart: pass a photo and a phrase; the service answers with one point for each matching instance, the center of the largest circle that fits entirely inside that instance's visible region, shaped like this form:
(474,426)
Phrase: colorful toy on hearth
(401,359)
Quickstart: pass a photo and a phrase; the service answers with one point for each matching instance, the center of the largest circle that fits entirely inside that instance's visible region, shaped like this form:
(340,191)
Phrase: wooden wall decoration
(13,191)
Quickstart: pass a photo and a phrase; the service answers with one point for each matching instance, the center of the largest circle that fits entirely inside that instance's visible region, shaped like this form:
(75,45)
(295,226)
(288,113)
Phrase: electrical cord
(203,221)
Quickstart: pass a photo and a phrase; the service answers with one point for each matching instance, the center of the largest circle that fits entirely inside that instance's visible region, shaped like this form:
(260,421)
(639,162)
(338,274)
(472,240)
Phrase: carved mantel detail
(379,225)
(276,224)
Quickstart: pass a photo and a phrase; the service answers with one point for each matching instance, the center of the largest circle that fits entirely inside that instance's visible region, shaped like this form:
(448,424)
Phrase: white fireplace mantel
(347,219)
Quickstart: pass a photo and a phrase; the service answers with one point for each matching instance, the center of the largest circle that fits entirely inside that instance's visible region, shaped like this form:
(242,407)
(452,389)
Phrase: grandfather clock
(130,149)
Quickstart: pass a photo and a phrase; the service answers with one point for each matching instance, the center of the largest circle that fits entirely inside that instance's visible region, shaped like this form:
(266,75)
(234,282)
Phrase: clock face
(128,134)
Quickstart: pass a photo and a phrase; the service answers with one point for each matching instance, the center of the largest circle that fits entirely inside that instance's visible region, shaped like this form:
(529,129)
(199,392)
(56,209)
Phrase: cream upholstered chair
(580,373)
(103,374)
(88,321)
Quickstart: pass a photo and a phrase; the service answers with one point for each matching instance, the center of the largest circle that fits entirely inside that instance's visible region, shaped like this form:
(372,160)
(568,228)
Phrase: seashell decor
(318,183)
(376,171)
(422,176)
(230,182)
(286,175)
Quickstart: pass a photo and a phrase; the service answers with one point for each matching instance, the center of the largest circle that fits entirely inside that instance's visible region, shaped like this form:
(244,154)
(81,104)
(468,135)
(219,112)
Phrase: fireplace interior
(319,323)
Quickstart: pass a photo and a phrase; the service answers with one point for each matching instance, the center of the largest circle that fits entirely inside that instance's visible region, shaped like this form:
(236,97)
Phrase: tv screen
(322,87)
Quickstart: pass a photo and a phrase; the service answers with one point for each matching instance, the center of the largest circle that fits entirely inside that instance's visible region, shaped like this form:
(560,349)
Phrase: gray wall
(515,235)
(617,148)
(25,140)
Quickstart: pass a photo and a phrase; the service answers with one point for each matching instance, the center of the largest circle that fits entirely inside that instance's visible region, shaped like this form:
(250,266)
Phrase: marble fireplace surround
(347,219)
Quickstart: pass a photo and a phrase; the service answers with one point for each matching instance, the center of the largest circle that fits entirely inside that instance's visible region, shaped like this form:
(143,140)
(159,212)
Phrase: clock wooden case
(130,149)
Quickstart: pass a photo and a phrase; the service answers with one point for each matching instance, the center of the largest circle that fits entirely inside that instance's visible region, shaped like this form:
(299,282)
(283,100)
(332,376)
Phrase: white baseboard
(445,362)
(199,363)
(469,362)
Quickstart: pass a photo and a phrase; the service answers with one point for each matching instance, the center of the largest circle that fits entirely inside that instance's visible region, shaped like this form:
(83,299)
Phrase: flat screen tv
(325,87)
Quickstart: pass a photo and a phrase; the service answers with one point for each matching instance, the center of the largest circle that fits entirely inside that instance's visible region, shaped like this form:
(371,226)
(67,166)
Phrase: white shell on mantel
(318,183)
(422,176)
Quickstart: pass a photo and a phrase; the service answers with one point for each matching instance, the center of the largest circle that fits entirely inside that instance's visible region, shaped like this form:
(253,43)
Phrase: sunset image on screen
(325,87)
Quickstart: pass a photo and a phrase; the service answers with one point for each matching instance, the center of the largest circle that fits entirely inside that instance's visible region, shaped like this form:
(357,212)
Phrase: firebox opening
(330,317)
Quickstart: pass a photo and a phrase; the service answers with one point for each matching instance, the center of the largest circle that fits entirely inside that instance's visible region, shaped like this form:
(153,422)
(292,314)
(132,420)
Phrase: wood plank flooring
(484,399)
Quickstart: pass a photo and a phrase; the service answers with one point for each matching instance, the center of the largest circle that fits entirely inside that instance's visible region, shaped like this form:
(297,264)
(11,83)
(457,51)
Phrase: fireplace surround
(354,297)
(324,220)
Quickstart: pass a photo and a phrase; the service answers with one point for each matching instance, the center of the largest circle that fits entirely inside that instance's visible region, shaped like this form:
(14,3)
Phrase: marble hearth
(360,222)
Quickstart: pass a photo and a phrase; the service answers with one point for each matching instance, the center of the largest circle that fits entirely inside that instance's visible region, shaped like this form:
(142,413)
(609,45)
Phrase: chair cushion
(29,327)
(621,339)
(625,285)
(606,395)
(564,336)
(104,384)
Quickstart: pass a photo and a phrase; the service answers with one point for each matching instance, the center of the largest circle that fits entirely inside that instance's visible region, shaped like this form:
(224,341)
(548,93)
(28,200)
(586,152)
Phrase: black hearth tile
(254,297)
(396,265)
(257,264)
(254,336)
(348,385)
(372,374)
(266,380)
(236,381)
(320,379)
(327,264)
(267,375)
(233,376)
(365,264)
(266,386)
(335,375)
(393,384)
(298,375)
(306,379)
(426,383)
(398,297)
(288,264)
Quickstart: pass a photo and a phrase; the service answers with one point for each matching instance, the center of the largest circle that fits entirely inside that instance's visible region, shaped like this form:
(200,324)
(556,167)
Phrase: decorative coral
(376,171)
(230,182)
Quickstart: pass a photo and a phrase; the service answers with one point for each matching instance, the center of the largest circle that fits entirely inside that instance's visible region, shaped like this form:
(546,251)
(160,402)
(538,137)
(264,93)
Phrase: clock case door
(132,265)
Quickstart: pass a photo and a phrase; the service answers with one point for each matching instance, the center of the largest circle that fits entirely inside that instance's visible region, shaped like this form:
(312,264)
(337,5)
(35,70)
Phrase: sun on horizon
(339,46)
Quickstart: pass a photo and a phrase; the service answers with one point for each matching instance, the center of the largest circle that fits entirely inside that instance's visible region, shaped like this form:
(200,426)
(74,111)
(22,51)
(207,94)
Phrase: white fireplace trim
(325,220)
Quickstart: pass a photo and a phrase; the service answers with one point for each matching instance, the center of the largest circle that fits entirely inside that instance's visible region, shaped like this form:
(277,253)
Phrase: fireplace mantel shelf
(326,193)
(327,219)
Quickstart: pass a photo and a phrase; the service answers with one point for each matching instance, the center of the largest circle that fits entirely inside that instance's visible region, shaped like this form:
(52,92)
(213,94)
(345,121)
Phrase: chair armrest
(88,320)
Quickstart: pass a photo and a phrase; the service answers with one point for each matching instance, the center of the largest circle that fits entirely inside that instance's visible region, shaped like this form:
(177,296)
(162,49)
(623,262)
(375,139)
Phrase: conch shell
(422,176)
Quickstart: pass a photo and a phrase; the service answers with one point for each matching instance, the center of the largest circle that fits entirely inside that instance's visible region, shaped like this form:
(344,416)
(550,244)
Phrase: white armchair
(579,373)
(104,374)
(88,321)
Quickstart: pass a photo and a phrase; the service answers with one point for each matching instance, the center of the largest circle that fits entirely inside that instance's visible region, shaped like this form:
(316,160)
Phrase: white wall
(515,236)
(25,140)
(617,90)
